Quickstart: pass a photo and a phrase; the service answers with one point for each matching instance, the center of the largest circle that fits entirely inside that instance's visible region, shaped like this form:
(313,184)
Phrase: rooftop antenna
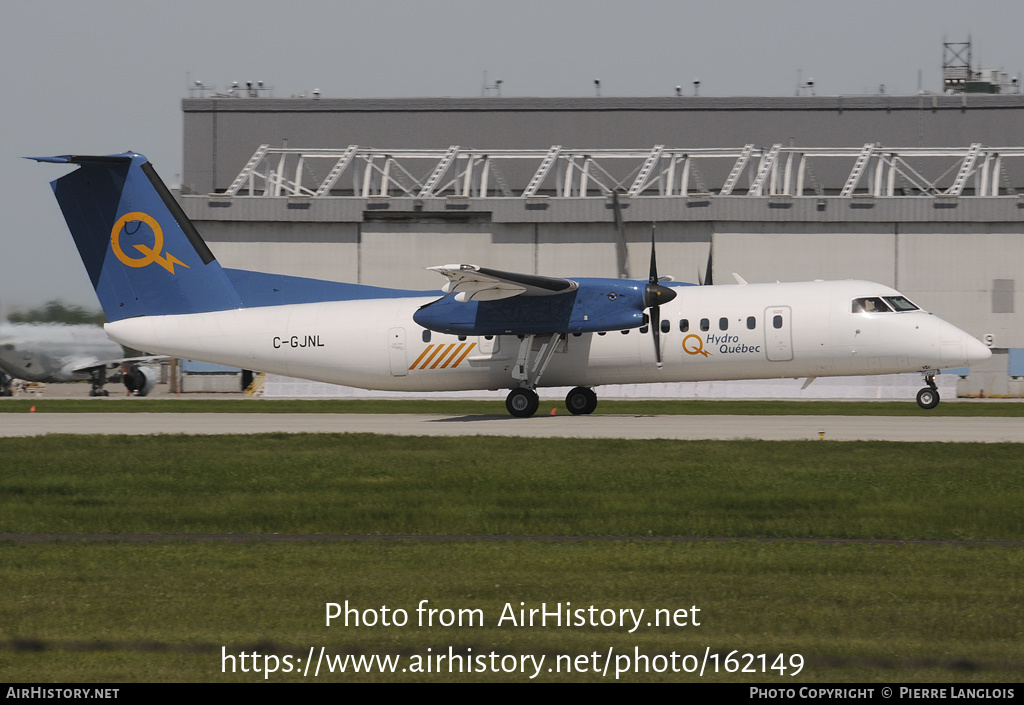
(597,87)
(696,86)
(197,87)
(488,88)
(956,66)
(251,89)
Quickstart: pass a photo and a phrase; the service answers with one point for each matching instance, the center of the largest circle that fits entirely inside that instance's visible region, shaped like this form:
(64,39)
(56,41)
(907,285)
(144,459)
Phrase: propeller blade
(656,330)
(654,263)
(654,295)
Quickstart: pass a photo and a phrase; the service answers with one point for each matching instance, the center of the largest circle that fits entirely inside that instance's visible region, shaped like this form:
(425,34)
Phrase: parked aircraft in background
(162,290)
(54,352)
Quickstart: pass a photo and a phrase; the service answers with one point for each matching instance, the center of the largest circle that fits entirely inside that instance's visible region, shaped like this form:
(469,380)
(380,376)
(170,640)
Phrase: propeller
(654,296)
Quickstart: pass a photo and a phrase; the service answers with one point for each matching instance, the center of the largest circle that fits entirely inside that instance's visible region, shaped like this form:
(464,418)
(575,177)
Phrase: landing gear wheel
(928,398)
(581,400)
(522,403)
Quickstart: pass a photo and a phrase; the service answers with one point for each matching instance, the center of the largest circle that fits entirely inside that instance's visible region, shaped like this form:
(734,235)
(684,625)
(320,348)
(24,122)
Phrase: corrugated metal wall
(221,134)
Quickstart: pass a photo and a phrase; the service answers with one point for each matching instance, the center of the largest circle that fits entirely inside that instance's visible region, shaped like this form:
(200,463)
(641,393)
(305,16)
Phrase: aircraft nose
(960,348)
(976,350)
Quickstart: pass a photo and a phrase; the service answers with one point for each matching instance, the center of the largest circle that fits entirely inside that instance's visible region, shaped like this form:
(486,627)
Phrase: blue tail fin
(143,255)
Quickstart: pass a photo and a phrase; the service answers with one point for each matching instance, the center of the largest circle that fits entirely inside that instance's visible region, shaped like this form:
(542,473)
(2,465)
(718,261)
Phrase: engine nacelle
(139,380)
(596,305)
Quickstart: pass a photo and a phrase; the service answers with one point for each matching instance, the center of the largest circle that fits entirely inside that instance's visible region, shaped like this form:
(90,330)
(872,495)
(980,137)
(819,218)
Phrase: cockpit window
(900,303)
(870,304)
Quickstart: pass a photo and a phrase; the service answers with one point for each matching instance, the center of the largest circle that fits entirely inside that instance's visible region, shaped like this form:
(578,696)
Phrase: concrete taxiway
(831,428)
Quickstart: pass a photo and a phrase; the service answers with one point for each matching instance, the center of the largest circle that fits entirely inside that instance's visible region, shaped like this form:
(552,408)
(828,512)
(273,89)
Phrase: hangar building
(922,193)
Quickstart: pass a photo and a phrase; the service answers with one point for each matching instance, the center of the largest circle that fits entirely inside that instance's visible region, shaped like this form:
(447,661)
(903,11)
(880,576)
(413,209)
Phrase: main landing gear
(522,402)
(581,400)
(98,378)
(928,398)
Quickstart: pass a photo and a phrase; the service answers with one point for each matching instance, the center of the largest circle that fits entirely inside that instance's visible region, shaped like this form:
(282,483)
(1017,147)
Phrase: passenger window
(643,329)
(684,325)
(426,336)
(462,337)
(777,322)
(751,322)
(666,326)
(705,324)
(625,332)
(601,332)
(871,304)
(723,324)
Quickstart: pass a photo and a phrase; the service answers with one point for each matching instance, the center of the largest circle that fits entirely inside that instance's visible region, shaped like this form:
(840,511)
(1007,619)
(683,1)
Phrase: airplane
(164,291)
(54,352)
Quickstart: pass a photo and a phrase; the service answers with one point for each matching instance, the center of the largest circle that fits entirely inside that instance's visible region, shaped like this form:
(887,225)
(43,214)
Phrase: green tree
(58,312)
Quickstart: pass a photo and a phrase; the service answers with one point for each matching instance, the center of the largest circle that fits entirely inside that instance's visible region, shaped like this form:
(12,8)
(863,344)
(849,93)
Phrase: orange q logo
(150,254)
(697,348)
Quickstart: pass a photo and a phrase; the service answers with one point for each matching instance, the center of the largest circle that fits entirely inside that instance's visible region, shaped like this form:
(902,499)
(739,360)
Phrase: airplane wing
(93,364)
(473,283)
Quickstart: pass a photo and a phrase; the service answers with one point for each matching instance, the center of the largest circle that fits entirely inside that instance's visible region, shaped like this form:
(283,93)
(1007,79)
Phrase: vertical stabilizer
(143,255)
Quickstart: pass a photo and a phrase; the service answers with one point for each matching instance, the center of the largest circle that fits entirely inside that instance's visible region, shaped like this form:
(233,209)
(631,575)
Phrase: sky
(106,76)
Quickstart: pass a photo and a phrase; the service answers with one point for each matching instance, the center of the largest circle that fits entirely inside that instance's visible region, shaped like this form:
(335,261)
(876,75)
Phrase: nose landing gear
(928,398)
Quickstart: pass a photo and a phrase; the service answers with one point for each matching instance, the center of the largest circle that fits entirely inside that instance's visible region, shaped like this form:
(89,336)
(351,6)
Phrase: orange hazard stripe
(425,351)
(453,355)
(431,357)
(471,346)
(441,356)
(445,356)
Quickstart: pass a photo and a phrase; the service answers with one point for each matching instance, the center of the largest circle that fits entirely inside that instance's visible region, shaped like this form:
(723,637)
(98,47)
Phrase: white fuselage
(753,331)
(52,352)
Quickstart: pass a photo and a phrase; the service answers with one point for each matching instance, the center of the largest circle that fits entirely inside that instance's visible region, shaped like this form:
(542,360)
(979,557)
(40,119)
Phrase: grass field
(527,521)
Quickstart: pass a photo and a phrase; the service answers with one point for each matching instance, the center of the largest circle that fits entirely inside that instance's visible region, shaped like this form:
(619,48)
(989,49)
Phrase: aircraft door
(778,334)
(396,352)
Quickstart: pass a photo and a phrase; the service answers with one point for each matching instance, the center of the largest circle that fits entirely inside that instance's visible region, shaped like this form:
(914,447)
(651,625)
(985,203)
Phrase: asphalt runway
(773,428)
